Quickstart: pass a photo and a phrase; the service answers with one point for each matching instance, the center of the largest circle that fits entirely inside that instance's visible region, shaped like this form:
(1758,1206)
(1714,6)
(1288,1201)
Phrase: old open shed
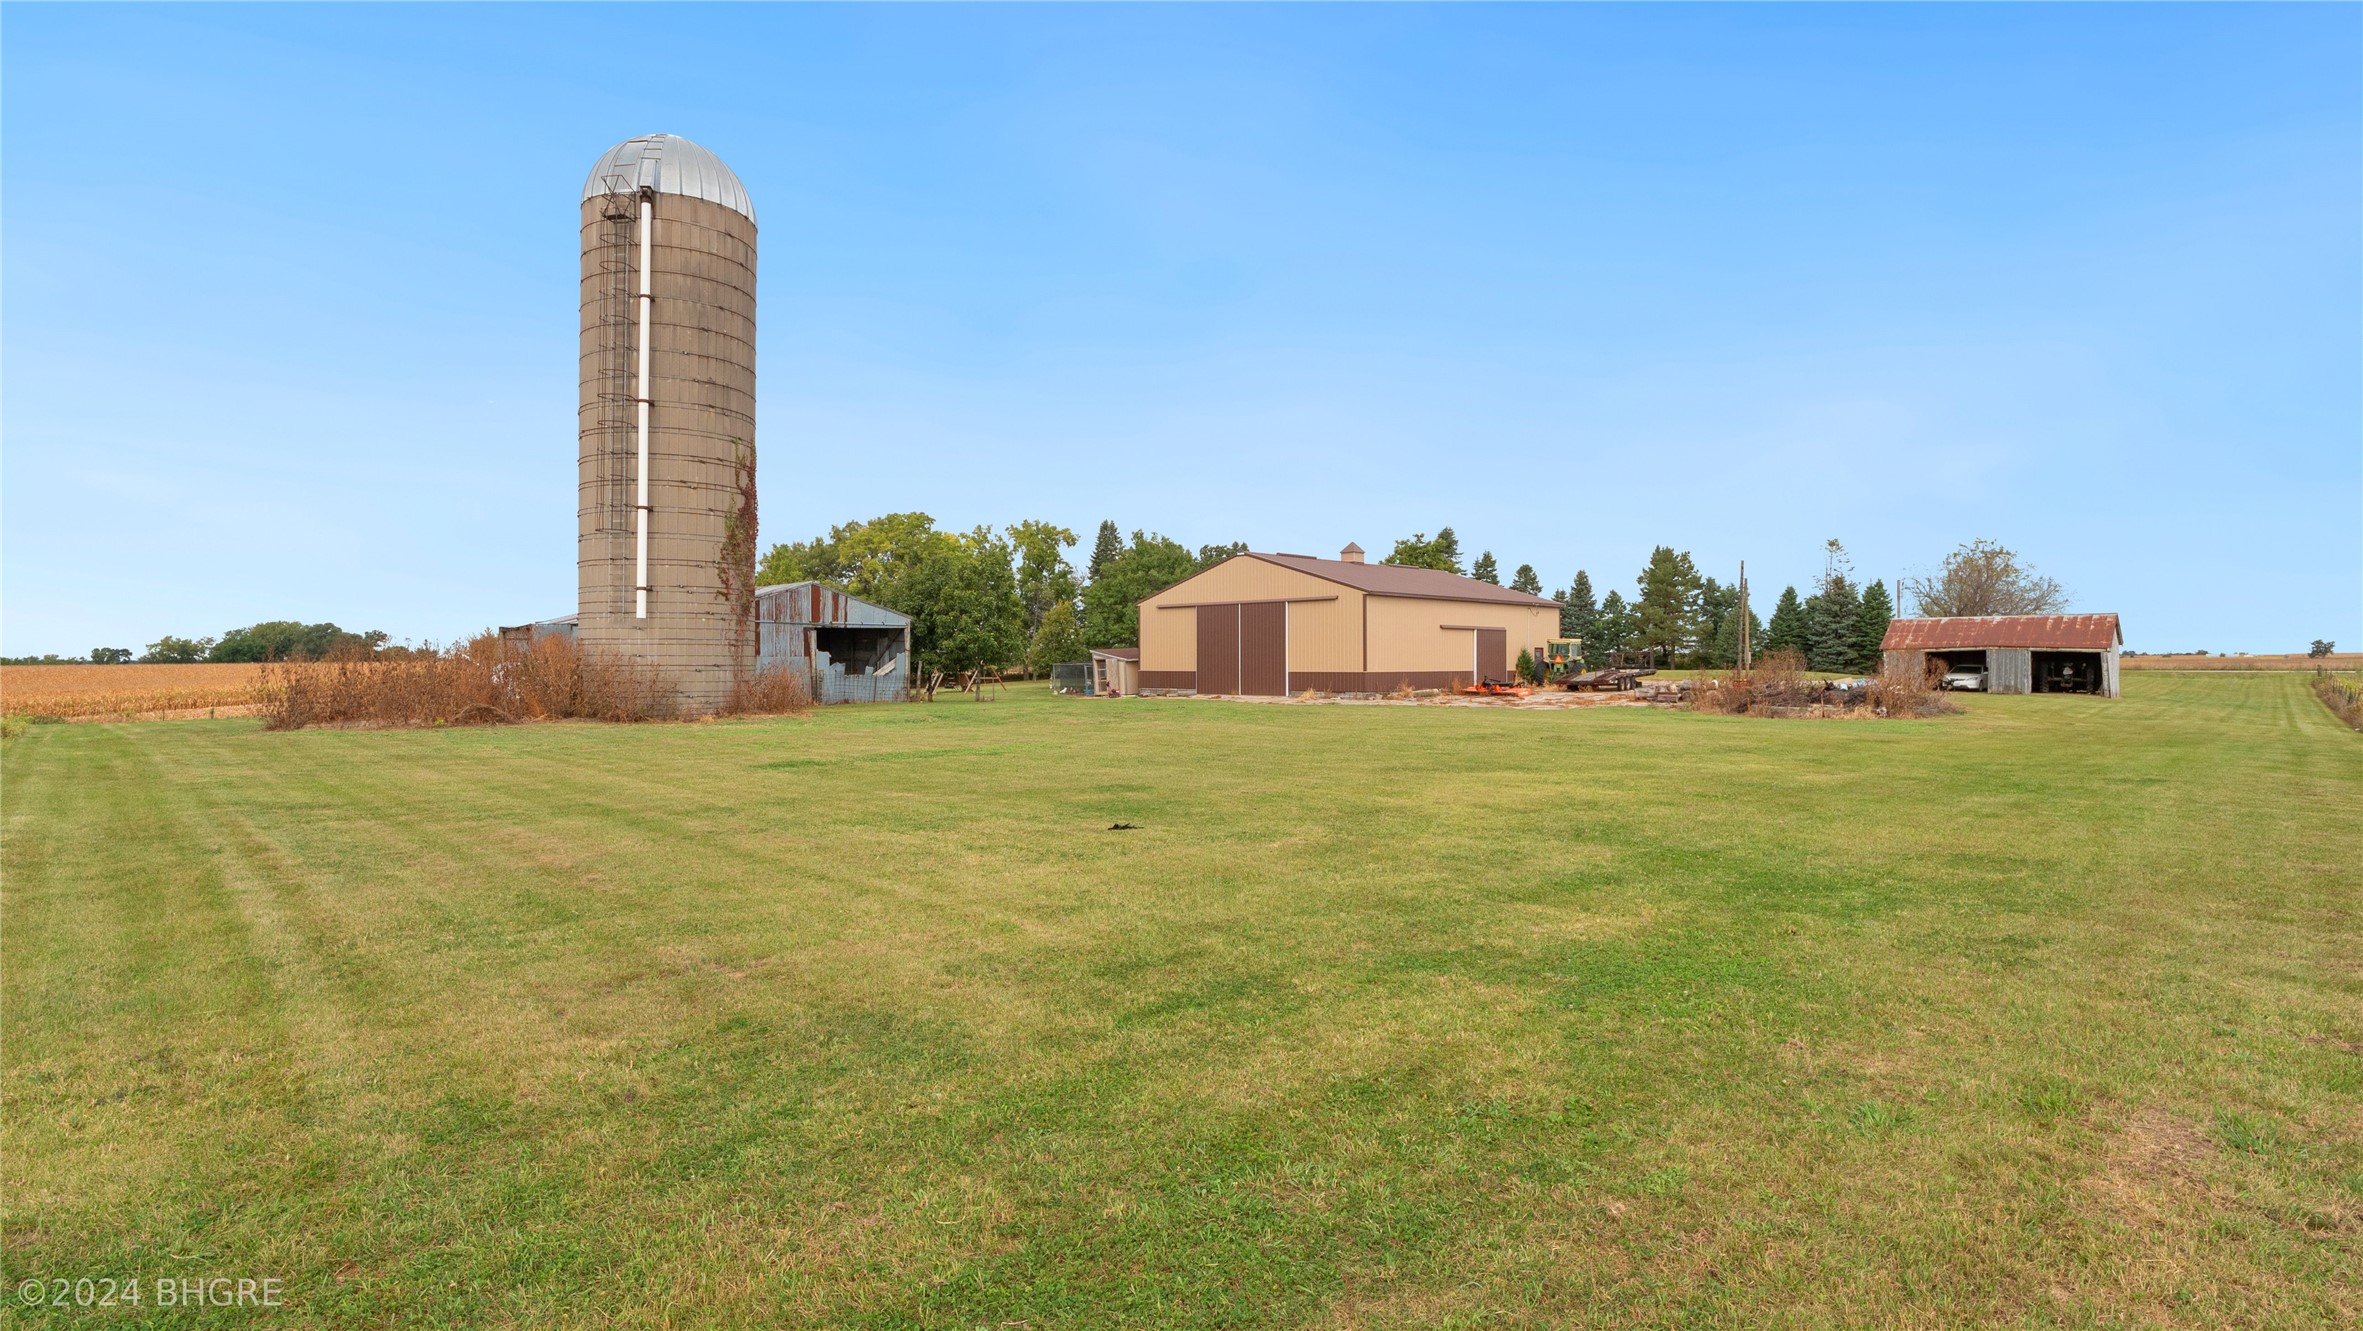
(2018,653)
(853,650)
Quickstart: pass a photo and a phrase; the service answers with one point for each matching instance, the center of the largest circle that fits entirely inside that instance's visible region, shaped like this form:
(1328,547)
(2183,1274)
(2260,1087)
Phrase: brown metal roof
(1395,580)
(2092,633)
(1120,653)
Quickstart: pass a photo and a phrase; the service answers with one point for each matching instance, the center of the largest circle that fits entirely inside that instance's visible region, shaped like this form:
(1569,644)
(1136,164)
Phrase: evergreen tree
(1718,632)
(1109,545)
(1612,626)
(1486,570)
(1833,615)
(1871,626)
(1526,580)
(1787,630)
(1725,652)
(1579,614)
(1666,616)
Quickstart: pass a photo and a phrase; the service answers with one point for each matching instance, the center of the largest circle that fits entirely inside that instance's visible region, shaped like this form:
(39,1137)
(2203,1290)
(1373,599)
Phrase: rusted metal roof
(1395,580)
(2090,633)
(819,603)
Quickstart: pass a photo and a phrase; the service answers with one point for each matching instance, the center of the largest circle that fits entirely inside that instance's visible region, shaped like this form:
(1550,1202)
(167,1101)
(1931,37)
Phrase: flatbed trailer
(1610,680)
(1624,672)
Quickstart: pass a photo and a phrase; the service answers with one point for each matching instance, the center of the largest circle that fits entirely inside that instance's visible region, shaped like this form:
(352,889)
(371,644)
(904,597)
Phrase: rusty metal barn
(852,650)
(2018,653)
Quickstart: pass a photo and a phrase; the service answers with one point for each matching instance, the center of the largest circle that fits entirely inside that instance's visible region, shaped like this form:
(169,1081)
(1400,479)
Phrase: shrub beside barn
(2017,653)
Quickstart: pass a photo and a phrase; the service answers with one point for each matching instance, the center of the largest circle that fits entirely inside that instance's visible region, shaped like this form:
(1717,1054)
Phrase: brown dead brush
(770,691)
(1780,686)
(2344,697)
(479,682)
(1903,693)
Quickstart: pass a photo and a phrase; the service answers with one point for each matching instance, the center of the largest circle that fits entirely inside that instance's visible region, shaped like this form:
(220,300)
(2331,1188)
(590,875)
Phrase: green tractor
(1560,658)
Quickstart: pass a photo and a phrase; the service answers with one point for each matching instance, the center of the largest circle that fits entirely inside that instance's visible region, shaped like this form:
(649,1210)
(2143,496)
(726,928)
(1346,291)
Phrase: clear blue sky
(289,315)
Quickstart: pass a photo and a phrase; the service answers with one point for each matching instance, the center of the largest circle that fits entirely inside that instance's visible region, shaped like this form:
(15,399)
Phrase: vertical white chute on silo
(640,395)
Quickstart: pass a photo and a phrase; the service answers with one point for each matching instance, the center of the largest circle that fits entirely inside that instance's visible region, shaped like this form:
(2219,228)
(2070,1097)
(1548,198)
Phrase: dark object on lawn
(1124,827)
(1623,673)
(1496,688)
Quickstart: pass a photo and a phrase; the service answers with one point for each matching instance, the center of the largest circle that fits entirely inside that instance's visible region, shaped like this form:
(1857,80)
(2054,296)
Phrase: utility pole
(1743,614)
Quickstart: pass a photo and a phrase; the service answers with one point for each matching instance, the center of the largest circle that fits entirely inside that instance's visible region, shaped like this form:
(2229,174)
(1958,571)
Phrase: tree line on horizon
(271,640)
(1012,596)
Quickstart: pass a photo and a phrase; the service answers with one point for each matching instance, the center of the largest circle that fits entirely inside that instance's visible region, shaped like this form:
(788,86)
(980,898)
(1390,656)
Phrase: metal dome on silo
(666,518)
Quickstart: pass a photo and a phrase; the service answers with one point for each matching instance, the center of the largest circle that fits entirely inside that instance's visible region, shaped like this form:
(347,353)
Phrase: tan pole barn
(1265,625)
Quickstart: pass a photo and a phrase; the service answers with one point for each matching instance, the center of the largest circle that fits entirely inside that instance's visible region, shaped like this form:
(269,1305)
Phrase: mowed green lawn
(2048,1014)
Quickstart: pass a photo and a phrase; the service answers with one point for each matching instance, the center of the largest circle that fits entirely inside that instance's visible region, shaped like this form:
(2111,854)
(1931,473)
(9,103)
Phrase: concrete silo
(666,525)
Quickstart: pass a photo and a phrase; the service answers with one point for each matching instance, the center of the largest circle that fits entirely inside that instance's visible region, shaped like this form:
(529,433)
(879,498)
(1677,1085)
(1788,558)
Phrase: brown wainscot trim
(1375,681)
(1327,681)
(1387,681)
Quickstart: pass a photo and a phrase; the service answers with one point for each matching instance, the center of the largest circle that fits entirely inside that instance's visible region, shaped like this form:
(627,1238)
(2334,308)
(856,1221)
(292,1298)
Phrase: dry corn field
(94,692)
(2286,661)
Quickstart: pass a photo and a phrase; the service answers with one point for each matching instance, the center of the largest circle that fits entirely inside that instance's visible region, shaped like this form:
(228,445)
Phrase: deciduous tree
(868,559)
(1985,578)
(963,602)
(1417,551)
(1058,638)
(288,640)
(1211,555)
(1111,604)
(1044,578)
(169,650)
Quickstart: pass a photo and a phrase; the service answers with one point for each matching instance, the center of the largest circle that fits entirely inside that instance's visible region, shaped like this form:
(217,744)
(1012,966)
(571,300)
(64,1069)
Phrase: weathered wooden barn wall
(2010,670)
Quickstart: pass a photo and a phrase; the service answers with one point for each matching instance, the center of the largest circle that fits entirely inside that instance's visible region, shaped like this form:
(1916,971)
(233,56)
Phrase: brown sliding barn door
(1493,654)
(1263,650)
(1218,649)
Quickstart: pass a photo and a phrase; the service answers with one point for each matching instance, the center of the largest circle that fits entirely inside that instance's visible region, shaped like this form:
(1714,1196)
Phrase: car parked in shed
(1965,678)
